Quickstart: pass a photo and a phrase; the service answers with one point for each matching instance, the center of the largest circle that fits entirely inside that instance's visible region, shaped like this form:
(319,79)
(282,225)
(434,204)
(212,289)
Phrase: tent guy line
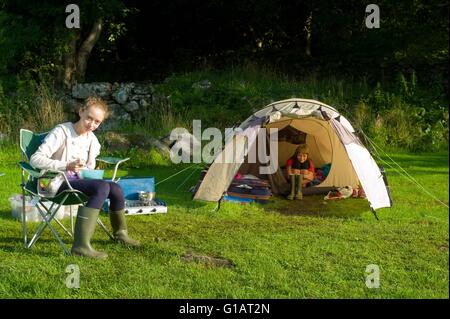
(403,172)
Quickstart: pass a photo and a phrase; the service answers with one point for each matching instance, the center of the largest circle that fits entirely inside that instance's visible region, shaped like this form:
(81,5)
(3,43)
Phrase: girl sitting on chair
(70,147)
(300,171)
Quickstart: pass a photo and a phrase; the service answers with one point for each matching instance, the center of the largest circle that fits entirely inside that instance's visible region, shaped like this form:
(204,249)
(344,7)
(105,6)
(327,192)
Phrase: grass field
(309,249)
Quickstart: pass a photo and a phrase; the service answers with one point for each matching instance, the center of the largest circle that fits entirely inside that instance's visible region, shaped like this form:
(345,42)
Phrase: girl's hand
(75,166)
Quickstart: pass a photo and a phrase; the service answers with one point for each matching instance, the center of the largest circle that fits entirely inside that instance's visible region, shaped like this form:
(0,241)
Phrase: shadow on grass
(315,205)
(7,215)
(172,184)
(175,191)
(15,245)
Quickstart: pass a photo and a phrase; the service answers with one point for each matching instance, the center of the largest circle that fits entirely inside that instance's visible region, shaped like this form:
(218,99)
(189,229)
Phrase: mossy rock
(124,142)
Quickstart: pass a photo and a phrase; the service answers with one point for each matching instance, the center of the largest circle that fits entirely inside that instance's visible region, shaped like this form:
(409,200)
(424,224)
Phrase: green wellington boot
(120,230)
(84,229)
(292,194)
(299,193)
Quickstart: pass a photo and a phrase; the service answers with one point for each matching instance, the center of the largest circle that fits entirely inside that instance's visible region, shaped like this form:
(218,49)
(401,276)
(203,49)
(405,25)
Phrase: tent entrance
(324,145)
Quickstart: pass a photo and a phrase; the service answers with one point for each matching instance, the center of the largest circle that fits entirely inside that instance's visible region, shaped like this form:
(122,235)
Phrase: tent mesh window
(291,135)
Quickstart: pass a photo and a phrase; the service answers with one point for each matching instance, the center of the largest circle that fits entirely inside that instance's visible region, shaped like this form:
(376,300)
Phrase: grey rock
(124,141)
(161,146)
(80,92)
(131,106)
(116,117)
(142,89)
(121,96)
(136,97)
(144,102)
(84,90)
(166,139)
(71,105)
(123,92)
(115,110)
(125,117)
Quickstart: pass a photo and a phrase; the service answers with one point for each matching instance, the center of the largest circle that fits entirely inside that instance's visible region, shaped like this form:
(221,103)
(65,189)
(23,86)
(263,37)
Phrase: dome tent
(330,137)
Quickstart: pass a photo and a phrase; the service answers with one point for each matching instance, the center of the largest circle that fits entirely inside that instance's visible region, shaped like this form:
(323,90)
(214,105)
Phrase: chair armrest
(43,173)
(113,160)
(34,172)
(39,173)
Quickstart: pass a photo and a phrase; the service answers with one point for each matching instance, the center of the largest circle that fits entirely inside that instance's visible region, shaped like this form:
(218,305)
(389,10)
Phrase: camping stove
(141,207)
(139,193)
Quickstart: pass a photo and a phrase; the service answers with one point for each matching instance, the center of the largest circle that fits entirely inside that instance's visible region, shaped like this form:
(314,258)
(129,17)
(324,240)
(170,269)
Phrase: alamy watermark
(249,144)
(373,276)
(73,19)
(73,277)
(373,19)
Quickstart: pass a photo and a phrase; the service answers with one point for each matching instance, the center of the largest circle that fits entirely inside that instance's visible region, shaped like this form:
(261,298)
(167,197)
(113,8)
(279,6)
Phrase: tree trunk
(70,63)
(307,29)
(86,48)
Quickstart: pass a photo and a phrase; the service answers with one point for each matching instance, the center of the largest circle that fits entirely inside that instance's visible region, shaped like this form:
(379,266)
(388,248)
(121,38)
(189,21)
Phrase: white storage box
(31,211)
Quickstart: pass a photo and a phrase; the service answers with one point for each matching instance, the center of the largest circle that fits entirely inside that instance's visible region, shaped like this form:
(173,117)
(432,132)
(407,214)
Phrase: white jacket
(63,145)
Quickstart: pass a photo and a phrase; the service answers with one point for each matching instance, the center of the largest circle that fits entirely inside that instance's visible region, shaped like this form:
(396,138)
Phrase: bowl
(91,173)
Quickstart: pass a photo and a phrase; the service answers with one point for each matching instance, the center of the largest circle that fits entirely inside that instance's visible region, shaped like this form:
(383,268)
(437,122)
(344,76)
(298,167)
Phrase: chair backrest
(30,142)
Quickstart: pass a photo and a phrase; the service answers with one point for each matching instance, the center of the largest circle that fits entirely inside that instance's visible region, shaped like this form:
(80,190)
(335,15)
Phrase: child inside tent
(300,171)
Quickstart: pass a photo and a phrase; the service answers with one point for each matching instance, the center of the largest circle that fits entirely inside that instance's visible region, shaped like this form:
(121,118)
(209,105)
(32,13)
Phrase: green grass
(311,249)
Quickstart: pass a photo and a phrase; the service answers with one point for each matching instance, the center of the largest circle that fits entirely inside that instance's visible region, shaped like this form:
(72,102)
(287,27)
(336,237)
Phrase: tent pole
(218,203)
(383,172)
(374,213)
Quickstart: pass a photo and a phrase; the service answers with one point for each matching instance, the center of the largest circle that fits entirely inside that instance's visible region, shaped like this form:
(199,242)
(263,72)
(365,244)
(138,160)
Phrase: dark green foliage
(146,40)
(402,115)
(392,81)
(34,38)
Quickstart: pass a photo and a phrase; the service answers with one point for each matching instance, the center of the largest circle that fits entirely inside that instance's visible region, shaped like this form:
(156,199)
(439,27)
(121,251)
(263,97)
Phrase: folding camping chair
(47,206)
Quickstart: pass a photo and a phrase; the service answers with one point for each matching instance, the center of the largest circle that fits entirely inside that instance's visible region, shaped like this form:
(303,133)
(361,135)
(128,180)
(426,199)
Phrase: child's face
(302,157)
(91,118)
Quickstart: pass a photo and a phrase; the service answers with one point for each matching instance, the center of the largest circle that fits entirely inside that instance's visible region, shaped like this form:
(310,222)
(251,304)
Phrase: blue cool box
(131,187)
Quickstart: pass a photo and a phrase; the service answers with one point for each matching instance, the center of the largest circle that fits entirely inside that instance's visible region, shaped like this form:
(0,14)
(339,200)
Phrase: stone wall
(127,101)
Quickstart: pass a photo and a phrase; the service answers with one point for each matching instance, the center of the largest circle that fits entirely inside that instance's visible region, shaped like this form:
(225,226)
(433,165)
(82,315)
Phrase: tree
(82,41)
(76,59)
(35,39)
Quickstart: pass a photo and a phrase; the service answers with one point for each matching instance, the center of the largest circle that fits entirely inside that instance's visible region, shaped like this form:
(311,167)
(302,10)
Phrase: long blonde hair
(96,101)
